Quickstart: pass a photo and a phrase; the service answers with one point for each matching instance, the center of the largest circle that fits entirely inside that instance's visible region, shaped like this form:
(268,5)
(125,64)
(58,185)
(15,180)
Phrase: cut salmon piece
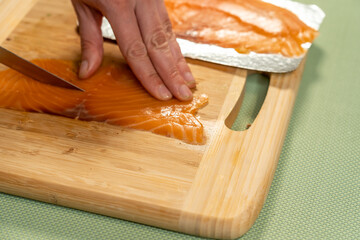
(245,25)
(112,95)
(20,92)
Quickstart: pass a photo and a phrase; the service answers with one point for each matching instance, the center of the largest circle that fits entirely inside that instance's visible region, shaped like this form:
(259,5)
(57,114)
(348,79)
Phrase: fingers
(144,35)
(158,49)
(174,46)
(130,41)
(91,38)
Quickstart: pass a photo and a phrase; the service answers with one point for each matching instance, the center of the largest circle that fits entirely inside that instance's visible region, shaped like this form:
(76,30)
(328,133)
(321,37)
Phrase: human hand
(145,38)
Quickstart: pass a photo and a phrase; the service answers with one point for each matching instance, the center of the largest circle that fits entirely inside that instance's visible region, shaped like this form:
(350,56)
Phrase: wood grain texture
(236,171)
(11,14)
(213,190)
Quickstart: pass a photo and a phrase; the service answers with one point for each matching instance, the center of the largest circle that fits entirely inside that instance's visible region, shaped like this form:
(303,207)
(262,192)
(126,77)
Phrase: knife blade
(31,70)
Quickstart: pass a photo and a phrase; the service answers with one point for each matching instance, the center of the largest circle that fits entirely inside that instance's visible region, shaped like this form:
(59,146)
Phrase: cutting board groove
(213,190)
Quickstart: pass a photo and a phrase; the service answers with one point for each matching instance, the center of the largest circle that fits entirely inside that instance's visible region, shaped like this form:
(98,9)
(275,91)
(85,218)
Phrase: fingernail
(185,92)
(164,93)
(83,68)
(189,79)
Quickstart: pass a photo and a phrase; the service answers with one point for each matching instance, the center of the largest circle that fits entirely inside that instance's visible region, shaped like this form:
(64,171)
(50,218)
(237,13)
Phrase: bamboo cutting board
(213,190)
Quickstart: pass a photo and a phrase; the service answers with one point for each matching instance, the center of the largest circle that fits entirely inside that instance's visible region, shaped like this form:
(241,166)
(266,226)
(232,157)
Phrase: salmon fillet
(245,25)
(112,95)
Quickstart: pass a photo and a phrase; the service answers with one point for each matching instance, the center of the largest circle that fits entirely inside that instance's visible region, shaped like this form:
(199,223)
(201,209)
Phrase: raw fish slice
(112,95)
(20,92)
(124,102)
(246,25)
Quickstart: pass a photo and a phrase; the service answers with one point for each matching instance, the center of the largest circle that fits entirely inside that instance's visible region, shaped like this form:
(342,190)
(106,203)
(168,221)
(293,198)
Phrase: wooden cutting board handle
(235,174)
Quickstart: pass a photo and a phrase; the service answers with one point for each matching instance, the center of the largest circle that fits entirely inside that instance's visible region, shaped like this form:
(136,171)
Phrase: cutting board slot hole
(255,92)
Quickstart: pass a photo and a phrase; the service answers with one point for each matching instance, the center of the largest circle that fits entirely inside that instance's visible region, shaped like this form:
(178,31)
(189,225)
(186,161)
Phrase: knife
(31,70)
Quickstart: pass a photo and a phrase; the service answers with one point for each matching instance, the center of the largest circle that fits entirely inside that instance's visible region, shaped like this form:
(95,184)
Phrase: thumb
(91,38)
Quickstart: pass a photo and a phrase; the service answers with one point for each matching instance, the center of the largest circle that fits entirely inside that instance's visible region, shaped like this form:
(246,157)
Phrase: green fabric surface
(316,190)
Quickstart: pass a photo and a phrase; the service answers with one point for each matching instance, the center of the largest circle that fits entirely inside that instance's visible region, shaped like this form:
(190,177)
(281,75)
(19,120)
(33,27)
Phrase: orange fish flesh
(112,95)
(245,25)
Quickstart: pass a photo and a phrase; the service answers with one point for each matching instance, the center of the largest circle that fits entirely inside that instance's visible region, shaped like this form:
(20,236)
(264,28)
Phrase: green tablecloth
(316,190)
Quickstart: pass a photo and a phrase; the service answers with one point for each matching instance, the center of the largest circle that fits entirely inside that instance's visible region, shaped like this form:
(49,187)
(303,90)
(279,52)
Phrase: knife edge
(33,71)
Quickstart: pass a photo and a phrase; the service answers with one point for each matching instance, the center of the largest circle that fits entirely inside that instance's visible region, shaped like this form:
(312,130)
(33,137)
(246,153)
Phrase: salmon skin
(112,95)
(245,25)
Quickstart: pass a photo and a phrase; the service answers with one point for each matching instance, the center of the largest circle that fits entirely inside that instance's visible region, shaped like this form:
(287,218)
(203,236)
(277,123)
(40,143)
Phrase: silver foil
(311,15)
